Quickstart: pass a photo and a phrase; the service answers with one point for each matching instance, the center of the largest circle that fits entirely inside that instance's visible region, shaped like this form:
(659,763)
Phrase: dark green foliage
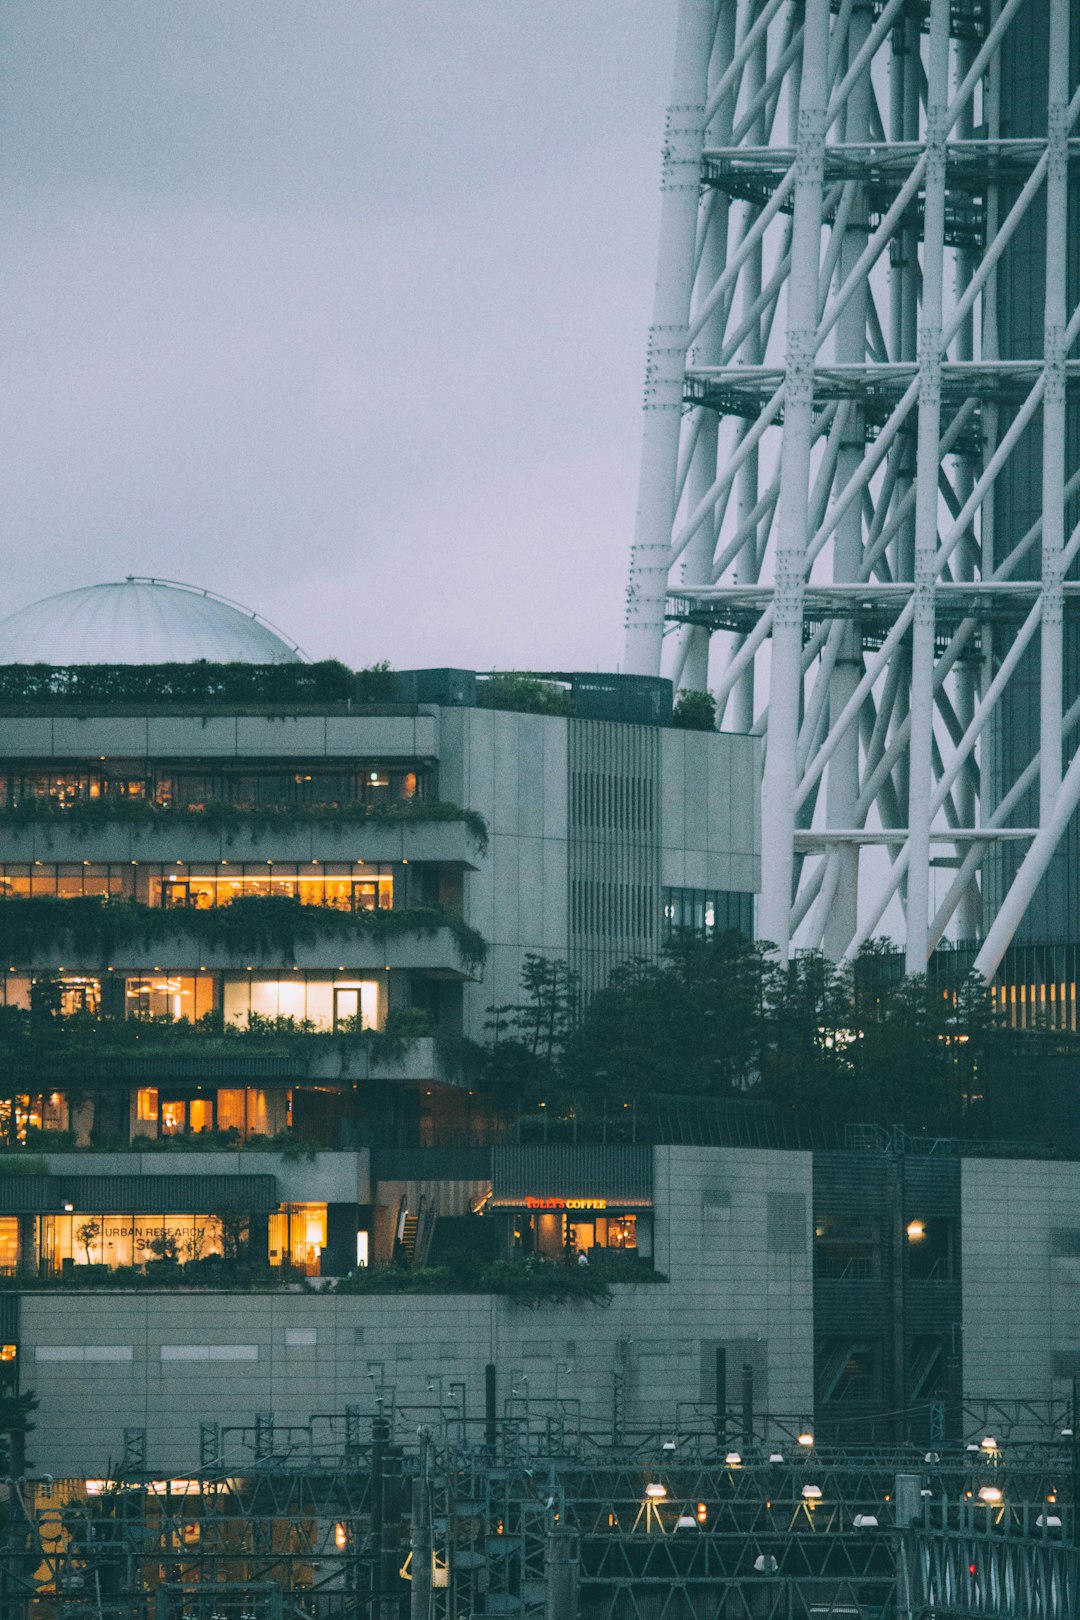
(22,1164)
(526,1040)
(720,1018)
(26,1038)
(237,820)
(94,929)
(195,684)
(16,1422)
(523,692)
(694,711)
(531,1282)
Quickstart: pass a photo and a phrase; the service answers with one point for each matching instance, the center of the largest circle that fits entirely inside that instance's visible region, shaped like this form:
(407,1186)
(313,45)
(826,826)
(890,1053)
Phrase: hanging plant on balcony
(93,929)
(217,815)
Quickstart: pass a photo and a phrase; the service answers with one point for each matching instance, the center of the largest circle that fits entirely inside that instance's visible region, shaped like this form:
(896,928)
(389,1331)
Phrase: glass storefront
(298,1237)
(9,1245)
(32,1111)
(326,1001)
(318,1115)
(127,1240)
(341,885)
(565,1233)
(190,787)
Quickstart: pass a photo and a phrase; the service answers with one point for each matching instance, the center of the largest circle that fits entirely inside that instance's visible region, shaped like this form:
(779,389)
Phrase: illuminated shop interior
(336,1115)
(327,1002)
(341,885)
(564,1228)
(192,785)
(294,1234)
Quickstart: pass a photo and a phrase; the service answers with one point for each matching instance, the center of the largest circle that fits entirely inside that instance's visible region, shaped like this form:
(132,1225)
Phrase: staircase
(416,1230)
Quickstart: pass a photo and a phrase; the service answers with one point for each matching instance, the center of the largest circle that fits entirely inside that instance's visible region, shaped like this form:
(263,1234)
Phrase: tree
(526,1039)
(87,1234)
(694,711)
(719,1017)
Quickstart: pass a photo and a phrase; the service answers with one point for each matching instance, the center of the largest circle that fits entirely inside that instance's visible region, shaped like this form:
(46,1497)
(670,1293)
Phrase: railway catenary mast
(860,462)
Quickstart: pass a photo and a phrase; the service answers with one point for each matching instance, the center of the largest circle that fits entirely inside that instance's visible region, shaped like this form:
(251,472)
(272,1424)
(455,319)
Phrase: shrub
(525,693)
(694,711)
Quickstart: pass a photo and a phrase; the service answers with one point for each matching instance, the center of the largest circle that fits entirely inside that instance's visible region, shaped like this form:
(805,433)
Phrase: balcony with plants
(108,828)
(97,934)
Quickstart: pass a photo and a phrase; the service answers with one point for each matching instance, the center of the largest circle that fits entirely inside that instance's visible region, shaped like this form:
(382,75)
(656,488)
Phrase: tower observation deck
(858,508)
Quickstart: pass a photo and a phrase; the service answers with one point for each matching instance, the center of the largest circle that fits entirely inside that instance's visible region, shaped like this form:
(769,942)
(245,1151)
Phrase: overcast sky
(338,307)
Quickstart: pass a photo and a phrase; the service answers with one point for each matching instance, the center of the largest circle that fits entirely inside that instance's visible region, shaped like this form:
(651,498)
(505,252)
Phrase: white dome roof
(140,621)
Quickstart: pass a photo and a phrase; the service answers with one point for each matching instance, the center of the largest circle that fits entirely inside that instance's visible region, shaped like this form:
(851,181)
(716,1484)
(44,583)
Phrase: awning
(572,1177)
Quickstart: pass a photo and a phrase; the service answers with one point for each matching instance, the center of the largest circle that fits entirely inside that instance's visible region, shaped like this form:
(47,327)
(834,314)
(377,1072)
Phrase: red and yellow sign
(565,1203)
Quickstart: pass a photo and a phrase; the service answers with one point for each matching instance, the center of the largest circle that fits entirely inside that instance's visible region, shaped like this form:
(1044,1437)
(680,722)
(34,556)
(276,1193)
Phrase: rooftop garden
(259,687)
(94,929)
(195,684)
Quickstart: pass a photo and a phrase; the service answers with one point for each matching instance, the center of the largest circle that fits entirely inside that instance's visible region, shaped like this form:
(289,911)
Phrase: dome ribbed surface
(140,621)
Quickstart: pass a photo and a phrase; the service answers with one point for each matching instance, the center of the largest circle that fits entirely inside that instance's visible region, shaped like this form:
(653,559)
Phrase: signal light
(973,1569)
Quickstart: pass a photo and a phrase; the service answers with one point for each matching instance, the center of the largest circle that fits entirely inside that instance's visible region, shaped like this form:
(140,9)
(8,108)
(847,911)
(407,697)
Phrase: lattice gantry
(860,455)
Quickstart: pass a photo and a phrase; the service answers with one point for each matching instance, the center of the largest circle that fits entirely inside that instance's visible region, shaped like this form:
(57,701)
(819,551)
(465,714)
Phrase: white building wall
(1021,1285)
(512,769)
(737,1276)
(710,821)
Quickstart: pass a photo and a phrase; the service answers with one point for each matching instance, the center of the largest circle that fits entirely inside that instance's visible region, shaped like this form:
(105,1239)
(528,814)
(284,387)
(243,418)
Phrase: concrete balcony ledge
(434,950)
(355,1060)
(331,1059)
(315,1177)
(412,733)
(378,842)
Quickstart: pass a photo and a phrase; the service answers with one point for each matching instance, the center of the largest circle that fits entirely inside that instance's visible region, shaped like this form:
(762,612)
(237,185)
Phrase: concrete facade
(590,821)
(1021,1283)
(733,1241)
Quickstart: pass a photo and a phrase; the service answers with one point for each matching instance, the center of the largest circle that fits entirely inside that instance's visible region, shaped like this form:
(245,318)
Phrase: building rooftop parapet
(325,688)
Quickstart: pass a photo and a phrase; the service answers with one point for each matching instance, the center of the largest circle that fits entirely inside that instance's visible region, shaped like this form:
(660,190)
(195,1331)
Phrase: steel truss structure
(830,421)
(379,1516)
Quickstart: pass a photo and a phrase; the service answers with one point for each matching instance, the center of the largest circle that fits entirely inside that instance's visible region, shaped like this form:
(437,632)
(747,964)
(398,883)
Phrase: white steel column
(785,695)
(920,777)
(1053,471)
(650,557)
(855,449)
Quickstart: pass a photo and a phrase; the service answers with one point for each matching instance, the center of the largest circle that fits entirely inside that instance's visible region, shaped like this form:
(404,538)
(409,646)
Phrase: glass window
(708,911)
(9,1245)
(69,881)
(847,1248)
(72,994)
(298,1236)
(172,995)
(126,1240)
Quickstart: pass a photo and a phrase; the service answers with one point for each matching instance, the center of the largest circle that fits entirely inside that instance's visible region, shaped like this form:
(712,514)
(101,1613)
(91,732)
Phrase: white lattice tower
(830,424)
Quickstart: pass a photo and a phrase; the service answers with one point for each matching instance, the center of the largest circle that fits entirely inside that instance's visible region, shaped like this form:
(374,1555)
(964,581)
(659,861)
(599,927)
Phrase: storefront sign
(565,1203)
